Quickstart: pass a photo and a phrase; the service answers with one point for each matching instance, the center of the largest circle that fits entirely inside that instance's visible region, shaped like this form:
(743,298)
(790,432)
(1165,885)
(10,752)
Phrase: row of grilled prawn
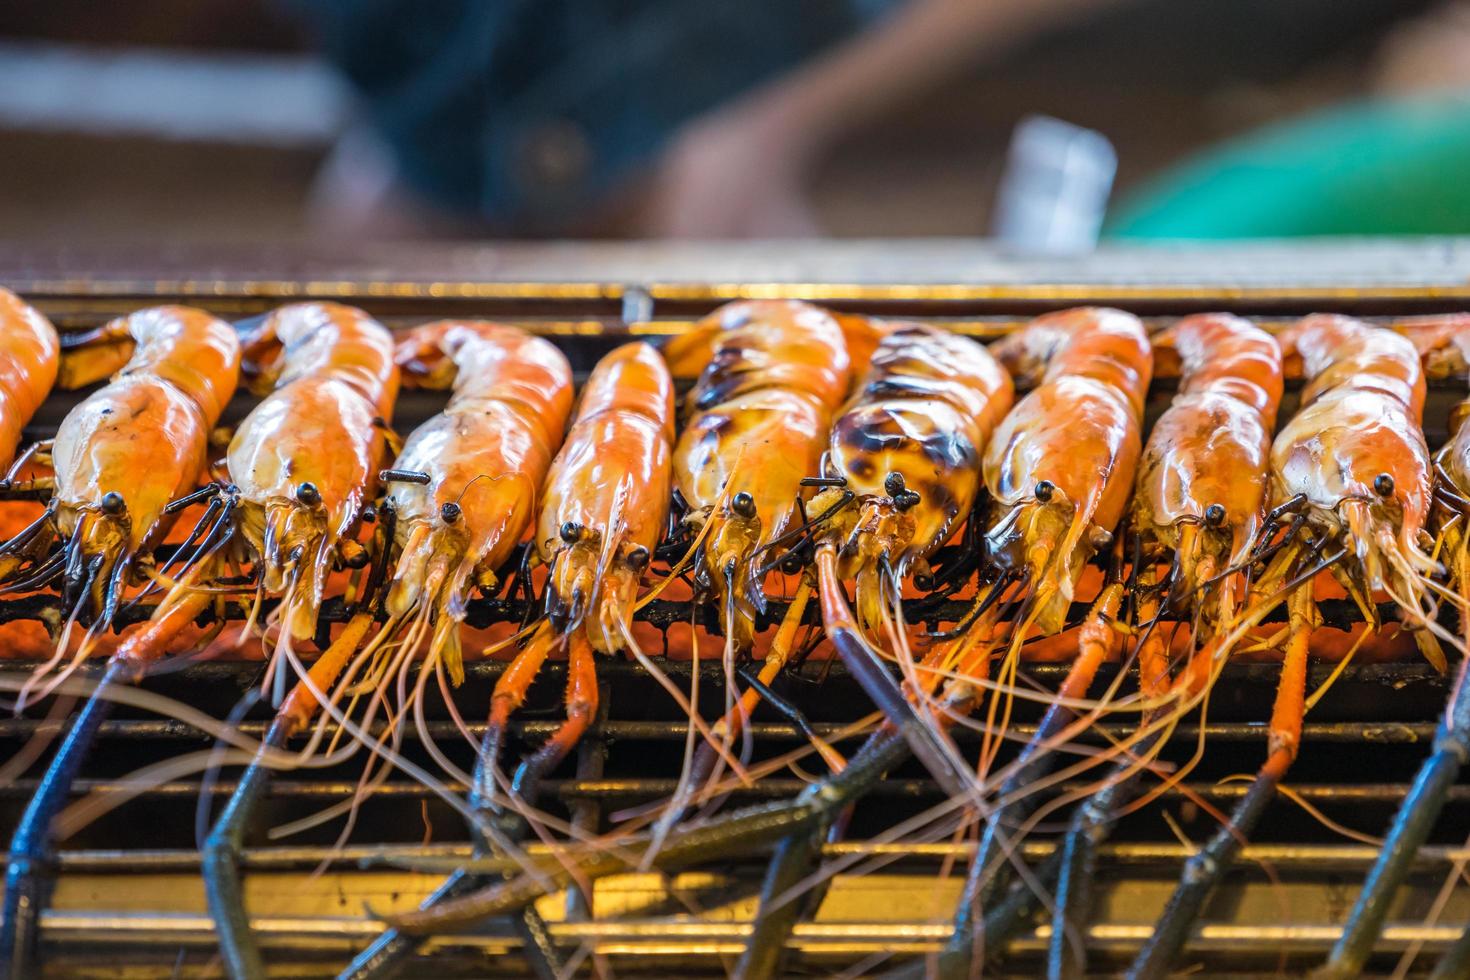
(902,464)
(296,483)
(1348,486)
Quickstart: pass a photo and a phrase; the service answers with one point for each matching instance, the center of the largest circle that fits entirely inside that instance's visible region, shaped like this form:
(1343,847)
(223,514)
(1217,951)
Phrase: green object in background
(1384,168)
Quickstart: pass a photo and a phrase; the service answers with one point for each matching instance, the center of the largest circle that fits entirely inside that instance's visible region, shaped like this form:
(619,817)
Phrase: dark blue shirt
(525,112)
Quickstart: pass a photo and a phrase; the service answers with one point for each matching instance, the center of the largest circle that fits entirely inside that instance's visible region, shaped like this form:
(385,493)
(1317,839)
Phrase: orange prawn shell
(612,480)
(619,445)
(689,353)
(1443,343)
(322,339)
(1361,418)
(925,409)
(334,383)
(760,412)
(489,450)
(1212,445)
(1061,465)
(763,443)
(29,357)
(1079,428)
(145,435)
(324,424)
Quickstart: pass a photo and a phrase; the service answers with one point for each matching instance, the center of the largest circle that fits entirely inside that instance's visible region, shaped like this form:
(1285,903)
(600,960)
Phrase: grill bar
(769,788)
(1386,733)
(443,858)
(705,938)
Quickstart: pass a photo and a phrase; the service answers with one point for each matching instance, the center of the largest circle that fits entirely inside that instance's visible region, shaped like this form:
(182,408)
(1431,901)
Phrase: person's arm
(738,170)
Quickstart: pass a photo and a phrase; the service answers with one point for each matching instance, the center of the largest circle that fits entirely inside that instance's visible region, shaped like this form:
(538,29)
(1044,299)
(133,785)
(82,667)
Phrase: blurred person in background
(638,117)
(668,118)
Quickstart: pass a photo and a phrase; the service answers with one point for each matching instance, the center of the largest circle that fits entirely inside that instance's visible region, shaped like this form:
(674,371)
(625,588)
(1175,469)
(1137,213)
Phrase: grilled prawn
(122,459)
(604,508)
(757,420)
(1198,508)
(1444,345)
(462,494)
(128,451)
(1352,472)
(903,468)
(29,360)
(464,488)
(304,463)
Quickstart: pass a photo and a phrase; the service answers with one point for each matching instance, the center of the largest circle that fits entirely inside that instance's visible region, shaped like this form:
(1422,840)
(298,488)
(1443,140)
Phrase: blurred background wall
(219,120)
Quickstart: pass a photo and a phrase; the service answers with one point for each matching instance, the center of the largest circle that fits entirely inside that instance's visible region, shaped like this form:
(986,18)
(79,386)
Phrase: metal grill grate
(130,893)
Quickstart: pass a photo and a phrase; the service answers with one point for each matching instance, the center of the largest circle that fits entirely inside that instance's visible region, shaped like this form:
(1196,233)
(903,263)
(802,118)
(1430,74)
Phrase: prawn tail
(688,353)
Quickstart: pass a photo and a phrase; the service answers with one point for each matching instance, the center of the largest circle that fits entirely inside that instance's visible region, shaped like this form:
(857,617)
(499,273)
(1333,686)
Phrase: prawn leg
(795,857)
(385,955)
(581,712)
(1204,870)
(30,869)
(220,858)
(730,727)
(1411,827)
(1091,823)
(987,877)
(509,694)
(733,833)
(867,667)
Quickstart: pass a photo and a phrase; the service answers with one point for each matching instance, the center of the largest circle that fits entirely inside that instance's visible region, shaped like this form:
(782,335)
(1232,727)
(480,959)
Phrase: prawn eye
(638,559)
(449,511)
(308,494)
(1215,515)
(1044,490)
(1383,485)
(571,532)
(743,504)
(113,503)
(894,484)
